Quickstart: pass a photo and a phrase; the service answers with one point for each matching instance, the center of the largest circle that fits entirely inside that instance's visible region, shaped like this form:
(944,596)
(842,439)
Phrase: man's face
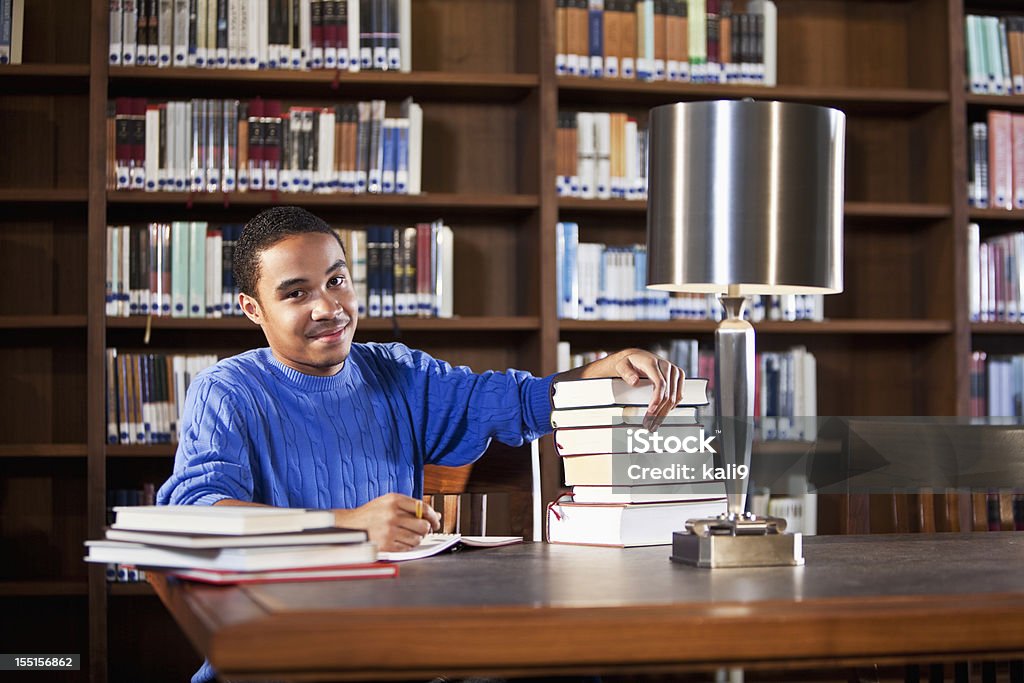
(306,306)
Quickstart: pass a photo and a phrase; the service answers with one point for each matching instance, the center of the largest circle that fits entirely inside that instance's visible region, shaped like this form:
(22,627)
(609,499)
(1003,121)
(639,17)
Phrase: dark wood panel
(56,32)
(42,519)
(887,159)
(468,35)
(145,644)
(44,397)
(49,149)
(862,44)
(44,265)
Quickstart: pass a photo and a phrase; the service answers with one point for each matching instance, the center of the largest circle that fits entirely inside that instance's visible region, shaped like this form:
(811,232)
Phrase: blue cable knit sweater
(256,430)
(253,429)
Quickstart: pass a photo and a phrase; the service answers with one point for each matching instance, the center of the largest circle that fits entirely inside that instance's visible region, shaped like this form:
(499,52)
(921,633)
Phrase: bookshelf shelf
(42,195)
(43,589)
(828,327)
(1012,102)
(422,85)
(997,328)
(134,589)
(140,451)
(457,324)
(576,90)
(995,215)
(38,322)
(490,203)
(44,450)
(874,210)
(43,78)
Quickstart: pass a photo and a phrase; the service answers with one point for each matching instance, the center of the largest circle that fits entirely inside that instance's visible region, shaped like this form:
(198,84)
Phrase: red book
(377,570)
(1000,159)
(1017,133)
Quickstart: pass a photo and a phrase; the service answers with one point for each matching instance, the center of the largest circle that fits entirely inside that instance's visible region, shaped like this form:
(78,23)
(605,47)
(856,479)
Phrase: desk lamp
(744,198)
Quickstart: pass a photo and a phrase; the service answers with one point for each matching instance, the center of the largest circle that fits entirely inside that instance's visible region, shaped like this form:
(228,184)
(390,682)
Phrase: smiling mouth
(331,334)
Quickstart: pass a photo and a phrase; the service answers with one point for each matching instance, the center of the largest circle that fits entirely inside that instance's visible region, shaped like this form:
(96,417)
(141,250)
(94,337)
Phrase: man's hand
(391,521)
(632,365)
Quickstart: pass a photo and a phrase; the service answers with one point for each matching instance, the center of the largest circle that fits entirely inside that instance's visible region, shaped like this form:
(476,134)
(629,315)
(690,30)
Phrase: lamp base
(733,541)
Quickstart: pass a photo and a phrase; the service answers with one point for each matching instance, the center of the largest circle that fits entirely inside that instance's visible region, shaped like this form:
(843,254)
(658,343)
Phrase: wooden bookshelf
(484,74)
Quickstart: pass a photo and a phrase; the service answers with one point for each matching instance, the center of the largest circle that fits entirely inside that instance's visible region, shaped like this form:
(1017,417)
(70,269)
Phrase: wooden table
(538,609)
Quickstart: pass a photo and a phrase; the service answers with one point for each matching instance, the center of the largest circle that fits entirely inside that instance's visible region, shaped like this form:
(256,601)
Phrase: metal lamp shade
(748,194)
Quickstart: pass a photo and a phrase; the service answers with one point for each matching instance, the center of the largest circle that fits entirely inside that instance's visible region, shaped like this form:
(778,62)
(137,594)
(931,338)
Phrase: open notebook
(433,544)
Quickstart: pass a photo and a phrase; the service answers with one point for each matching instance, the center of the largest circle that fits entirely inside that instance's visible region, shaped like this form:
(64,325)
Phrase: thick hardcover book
(617,469)
(377,570)
(701,491)
(627,439)
(220,519)
(624,525)
(323,536)
(609,416)
(231,559)
(608,391)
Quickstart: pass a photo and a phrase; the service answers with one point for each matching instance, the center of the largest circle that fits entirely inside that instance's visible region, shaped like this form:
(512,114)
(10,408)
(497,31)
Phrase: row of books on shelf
(12,31)
(183,269)
(996,162)
(127,573)
(995,54)
(997,385)
(213,145)
(234,544)
(145,394)
(595,281)
(349,35)
(694,41)
(600,155)
(785,385)
(995,276)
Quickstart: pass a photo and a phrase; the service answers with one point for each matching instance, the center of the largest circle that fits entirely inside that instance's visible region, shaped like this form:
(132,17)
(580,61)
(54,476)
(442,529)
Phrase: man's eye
(294,295)
(336,281)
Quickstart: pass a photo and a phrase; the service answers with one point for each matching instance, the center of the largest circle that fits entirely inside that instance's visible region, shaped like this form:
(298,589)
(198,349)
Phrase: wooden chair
(498,495)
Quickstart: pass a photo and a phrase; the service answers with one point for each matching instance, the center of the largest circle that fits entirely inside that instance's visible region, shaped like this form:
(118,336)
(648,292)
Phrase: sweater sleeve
(456,412)
(212,461)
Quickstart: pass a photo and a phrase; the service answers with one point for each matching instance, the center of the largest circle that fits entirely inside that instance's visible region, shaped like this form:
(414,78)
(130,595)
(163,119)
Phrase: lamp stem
(734,398)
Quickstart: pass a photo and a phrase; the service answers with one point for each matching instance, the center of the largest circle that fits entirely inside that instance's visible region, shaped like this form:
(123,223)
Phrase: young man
(318,421)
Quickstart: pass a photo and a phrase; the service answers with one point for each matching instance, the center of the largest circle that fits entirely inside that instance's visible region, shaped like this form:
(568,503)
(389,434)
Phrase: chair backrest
(494,496)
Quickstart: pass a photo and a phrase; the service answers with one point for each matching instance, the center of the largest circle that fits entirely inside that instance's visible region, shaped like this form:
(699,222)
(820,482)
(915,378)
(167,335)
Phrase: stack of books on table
(630,486)
(235,544)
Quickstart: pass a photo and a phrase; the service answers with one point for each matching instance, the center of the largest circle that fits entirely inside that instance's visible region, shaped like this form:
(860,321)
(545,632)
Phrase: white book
(354,49)
(200,540)
(610,391)
(152,147)
(586,150)
(768,9)
(114,54)
(129,31)
(603,140)
(229,520)
(444,285)
(233,559)
(628,438)
(165,33)
(614,415)
(414,113)
(432,544)
(704,491)
(405,35)
(625,525)
(305,36)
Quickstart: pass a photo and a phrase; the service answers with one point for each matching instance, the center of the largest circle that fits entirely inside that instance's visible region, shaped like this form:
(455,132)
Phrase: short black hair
(264,231)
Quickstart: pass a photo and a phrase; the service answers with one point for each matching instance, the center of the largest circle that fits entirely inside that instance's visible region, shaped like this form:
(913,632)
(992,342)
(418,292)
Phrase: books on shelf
(183,269)
(687,41)
(596,281)
(996,161)
(625,525)
(346,35)
(611,391)
(996,384)
(145,394)
(434,544)
(230,520)
(600,155)
(12,31)
(220,577)
(994,54)
(212,145)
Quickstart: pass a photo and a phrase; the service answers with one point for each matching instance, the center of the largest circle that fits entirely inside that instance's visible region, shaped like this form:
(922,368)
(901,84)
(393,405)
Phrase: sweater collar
(302,381)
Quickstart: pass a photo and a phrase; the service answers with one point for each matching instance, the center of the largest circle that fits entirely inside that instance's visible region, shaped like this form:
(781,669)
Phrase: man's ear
(251,308)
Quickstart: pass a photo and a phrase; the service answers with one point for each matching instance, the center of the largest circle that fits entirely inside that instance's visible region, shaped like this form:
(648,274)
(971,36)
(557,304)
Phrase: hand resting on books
(391,521)
(632,365)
